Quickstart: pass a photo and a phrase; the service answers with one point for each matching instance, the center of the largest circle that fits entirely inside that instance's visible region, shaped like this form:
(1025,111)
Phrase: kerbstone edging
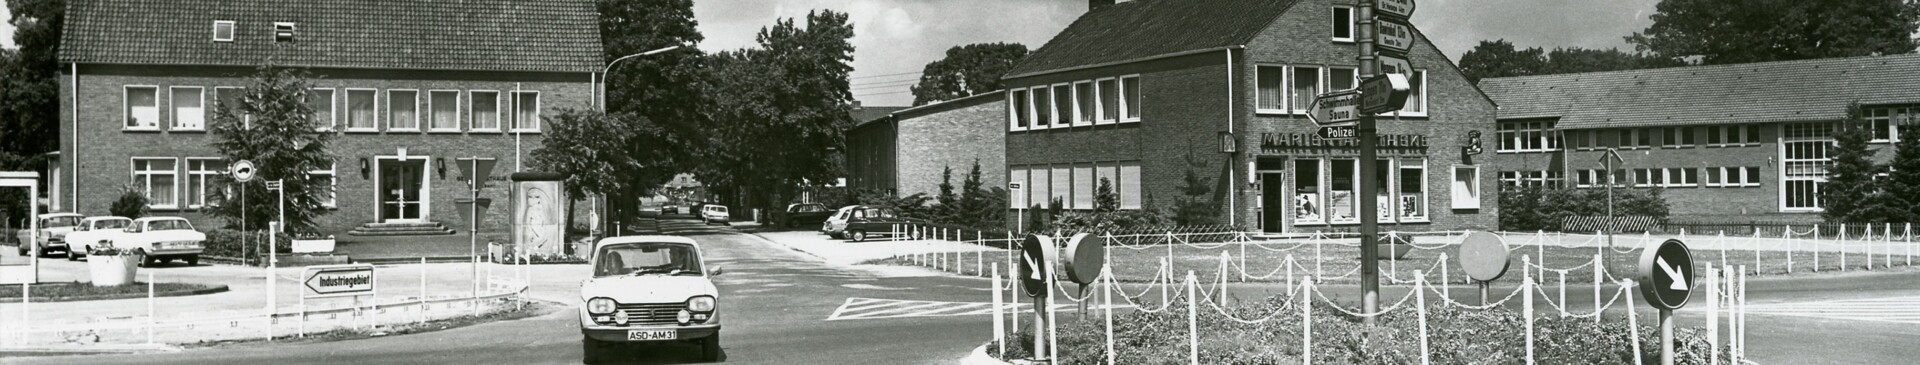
(979,356)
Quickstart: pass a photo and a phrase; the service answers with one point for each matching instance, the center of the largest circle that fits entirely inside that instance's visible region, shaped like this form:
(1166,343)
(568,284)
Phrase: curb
(86,350)
(174,293)
(979,357)
(788,247)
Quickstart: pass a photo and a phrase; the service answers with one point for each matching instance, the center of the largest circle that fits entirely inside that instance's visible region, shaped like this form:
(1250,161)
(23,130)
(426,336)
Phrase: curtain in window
(143,107)
(322,102)
(1062,105)
(360,109)
(446,110)
(526,111)
(1269,88)
(403,109)
(1131,87)
(1109,100)
(1306,87)
(1129,185)
(485,109)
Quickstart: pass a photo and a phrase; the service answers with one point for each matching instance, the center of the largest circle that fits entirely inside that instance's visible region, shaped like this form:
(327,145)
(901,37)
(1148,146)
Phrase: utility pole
(1369,215)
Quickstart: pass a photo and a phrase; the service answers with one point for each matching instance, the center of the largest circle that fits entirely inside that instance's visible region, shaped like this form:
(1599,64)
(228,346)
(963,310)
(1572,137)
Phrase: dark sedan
(806,214)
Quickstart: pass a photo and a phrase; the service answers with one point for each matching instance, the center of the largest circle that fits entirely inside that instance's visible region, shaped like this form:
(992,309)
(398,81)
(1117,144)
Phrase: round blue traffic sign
(1666,274)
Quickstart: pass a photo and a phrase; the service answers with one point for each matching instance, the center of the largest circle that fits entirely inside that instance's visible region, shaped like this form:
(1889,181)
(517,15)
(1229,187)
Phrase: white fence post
(1445,285)
(1193,319)
(422,317)
(1526,287)
(1598,272)
(1306,320)
(1107,295)
(1420,305)
(1563,294)
(1816,248)
(1843,247)
(150,313)
(999,329)
(1713,315)
(1633,321)
(1741,304)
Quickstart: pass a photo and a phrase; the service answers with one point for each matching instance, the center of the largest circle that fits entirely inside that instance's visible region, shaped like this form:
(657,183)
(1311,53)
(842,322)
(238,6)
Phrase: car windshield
(871,213)
(112,223)
(716,209)
(643,258)
(64,221)
(809,208)
(169,225)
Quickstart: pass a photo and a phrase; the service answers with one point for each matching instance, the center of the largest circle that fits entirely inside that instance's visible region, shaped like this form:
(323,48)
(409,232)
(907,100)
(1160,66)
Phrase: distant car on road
(865,222)
(809,213)
(161,239)
(94,230)
(715,213)
(837,222)
(53,233)
(649,289)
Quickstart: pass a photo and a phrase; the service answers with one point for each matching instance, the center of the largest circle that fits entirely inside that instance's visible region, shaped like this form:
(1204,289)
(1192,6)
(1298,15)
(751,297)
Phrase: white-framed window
(1465,186)
(1083,184)
(1527,136)
(1304,84)
(1343,24)
(1342,78)
(443,110)
(189,108)
(1416,95)
(1061,181)
(1018,111)
(200,173)
(1270,89)
(403,110)
(1130,96)
(159,179)
(1083,100)
(1805,155)
(327,191)
(1038,179)
(223,31)
(1108,104)
(483,110)
(1411,191)
(1042,114)
(362,110)
(1682,177)
(1750,176)
(1308,207)
(141,107)
(1062,105)
(1129,185)
(1509,178)
(1585,178)
(1880,118)
(323,104)
(1343,187)
(526,111)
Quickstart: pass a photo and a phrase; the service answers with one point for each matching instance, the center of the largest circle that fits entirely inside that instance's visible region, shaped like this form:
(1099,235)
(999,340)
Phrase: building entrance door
(402,190)
(1273,193)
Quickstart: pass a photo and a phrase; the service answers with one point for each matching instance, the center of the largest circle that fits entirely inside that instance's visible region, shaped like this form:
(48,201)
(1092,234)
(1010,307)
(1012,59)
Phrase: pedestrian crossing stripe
(874,308)
(1892,310)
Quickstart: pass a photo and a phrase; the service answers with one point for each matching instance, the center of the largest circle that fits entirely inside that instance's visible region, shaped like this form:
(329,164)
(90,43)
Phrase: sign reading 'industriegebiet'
(338,280)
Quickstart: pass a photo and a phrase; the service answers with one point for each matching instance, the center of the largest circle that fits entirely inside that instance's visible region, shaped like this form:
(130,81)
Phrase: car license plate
(650,335)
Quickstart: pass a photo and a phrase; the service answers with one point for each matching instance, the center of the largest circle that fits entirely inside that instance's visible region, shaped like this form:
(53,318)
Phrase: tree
(1498,58)
(664,88)
(1902,185)
(620,156)
(272,126)
(130,204)
(1195,206)
(1104,199)
(1576,60)
(29,78)
(779,110)
(966,71)
(949,202)
(1740,31)
(1849,186)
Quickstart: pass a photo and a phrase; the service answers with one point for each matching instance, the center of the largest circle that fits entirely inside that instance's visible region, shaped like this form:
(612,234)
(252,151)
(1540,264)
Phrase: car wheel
(858,236)
(71,256)
(145,261)
(836,235)
(193,260)
(590,350)
(710,348)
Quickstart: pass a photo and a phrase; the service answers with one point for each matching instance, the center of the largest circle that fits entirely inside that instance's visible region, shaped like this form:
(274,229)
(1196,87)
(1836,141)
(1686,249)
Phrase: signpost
(1394,35)
(1035,254)
(1337,132)
(1484,256)
(1019,205)
(273,254)
(1395,64)
(1607,160)
(1667,270)
(332,281)
(1400,9)
(1335,108)
(1383,93)
(242,172)
(1391,37)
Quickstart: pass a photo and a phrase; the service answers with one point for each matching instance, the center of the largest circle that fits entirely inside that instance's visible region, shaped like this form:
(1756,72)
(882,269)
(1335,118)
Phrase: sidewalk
(844,252)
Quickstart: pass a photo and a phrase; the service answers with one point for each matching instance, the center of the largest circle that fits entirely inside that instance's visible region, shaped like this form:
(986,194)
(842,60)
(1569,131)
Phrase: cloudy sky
(895,38)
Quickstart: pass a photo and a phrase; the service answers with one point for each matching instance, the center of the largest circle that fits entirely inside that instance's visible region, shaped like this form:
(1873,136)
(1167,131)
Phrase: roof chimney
(1097,4)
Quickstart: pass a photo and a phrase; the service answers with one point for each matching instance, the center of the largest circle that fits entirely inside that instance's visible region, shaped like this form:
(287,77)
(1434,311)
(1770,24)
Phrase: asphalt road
(775,301)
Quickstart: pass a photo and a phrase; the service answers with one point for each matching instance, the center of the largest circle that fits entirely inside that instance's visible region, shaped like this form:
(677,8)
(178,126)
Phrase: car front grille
(651,313)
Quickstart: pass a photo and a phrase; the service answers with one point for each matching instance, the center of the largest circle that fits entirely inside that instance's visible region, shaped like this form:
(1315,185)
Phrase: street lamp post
(600,100)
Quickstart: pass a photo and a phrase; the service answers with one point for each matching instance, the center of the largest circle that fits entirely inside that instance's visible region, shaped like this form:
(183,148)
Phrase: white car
(649,289)
(713,213)
(838,221)
(53,233)
(161,239)
(92,231)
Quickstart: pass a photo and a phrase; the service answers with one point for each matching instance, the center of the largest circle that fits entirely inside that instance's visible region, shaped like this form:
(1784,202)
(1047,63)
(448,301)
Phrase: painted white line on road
(1889,310)
(872,308)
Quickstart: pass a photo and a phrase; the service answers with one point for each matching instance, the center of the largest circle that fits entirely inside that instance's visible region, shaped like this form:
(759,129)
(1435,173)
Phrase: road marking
(874,308)
(1892,310)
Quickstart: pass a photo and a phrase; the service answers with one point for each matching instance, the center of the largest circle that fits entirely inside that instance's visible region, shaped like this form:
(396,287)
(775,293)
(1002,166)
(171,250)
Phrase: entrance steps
(401,229)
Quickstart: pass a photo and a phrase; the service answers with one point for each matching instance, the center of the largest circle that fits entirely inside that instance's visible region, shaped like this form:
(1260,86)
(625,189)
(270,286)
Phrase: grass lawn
(76,291)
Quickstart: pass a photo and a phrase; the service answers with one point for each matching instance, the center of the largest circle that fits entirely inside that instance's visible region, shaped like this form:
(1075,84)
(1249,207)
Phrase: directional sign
(1393,64)
(1338,132)
(273,185)
(338,280)
(1484,256)
(1335,108)
(1036,252)
(1383,93)
(243,171)
(1666,274)
(1394,35)
(1401,9)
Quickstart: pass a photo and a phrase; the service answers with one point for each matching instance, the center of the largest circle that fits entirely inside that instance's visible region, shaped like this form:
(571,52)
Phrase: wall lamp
(1227,143)
(440,165)
(366,168)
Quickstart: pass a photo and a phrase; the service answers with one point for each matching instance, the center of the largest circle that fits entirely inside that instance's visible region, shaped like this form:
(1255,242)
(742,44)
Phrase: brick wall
(953,136)
(105,148)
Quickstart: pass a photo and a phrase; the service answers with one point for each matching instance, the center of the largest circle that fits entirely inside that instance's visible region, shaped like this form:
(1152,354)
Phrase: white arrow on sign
(1679,281)
(1393,35)
(1335,108)
(1033,266)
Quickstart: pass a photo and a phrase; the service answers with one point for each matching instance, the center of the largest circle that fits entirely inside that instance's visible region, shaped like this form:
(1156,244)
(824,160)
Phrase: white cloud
(6,29)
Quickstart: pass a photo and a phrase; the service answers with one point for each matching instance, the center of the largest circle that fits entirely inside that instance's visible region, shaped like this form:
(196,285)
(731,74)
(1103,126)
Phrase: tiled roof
(1808,90)
(491,35)
(1146,28)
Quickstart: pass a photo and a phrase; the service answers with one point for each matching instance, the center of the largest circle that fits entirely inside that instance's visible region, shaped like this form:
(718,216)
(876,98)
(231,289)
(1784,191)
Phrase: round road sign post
(1484,256)
(1666,270)
(243,171)
(1083,260)
(1036,253)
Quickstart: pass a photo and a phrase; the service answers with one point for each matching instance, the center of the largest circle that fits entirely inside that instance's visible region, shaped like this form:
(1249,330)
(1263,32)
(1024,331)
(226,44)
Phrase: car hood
(174,235)
(647,289)
(57,231)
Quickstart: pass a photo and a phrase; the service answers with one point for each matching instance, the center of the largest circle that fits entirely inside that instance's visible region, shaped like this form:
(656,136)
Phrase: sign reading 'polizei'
(335,280)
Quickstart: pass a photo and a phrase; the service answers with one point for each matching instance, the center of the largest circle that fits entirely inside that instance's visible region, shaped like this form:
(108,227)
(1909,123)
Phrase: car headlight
(599,306)
(700,304)
(621,318)
(684,317)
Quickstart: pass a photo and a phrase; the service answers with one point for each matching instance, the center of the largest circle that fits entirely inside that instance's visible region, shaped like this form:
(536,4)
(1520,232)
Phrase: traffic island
(521,310)
(83,291)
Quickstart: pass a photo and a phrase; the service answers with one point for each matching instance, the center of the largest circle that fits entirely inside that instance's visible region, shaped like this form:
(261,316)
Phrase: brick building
(409,86)
(906,150)
(1746,142)
(1149,95)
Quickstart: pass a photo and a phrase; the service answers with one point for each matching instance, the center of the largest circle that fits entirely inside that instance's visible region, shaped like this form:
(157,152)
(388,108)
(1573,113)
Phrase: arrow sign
(1393,64)
(1393,35)
(1334,108)
(338,280)
(1679,281)
(1668,286)
(1401,9)
(1383,93)
(1338,132)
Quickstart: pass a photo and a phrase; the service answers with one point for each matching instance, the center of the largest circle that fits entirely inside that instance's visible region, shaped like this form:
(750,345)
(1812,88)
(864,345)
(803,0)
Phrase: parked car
(649,289)
(837,222)
(161,239)
(92,231)
(865,222)
(669,209)
(809,213)
(53,233)
(714,213)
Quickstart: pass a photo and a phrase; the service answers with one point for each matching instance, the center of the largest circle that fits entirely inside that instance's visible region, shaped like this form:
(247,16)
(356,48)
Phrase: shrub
(130,204)
(1527,208)
(227,242)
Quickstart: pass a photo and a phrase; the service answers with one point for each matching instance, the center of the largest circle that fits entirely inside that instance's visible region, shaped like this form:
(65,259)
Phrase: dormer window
(283,32)
(223,31)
